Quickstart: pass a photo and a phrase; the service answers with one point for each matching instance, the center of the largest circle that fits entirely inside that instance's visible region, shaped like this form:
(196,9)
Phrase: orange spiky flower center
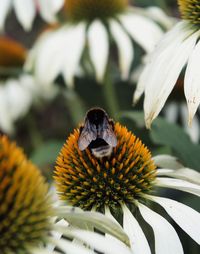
(25,208)
(94,9)
(190,10)
(86,181)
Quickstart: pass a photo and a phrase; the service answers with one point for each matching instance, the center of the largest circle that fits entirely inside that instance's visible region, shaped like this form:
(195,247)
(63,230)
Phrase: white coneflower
(26,11)
(18,90)
(179,47)
(27,213)
(85,38)
(127,182)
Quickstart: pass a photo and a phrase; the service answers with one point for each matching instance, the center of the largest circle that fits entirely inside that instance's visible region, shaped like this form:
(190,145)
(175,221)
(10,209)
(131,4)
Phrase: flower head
(25,207)
(26,11)
(87,181)
(126,182)
(179,47)
(84,38)
(90,10)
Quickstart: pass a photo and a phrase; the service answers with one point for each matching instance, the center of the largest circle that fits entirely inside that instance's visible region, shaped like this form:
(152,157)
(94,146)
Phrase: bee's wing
(88,134)
(107,133)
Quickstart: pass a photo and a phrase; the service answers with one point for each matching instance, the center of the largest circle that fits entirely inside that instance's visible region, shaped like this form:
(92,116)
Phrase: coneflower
(125,182)
(179,47)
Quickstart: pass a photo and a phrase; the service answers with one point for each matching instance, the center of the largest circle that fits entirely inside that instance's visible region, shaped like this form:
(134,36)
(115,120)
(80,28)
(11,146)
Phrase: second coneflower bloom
(127,181)
(179,47)
(84,38)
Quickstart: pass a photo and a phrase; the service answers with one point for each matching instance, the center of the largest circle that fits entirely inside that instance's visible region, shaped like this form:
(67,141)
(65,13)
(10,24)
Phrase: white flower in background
(126,183)
(18,90)
(179,47)
(26,11)
(90,28)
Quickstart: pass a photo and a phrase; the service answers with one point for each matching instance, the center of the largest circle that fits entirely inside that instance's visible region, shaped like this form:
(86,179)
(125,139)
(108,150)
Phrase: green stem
(110,94)
(75,106)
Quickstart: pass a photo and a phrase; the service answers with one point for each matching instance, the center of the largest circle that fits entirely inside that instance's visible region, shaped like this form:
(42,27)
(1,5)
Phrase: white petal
(192,82)
(186,174)
(125,47)
(143,30)
(98,48)
(160,16)
(93,219)
(186,217)
(167,161)
(4,9)
(49,8)
(100,242)
(71,248)
(19,99)
(47,57)
(169,65)
(179,185)
(25,12)
(6,121)
(194,129)
(166,238)
(171,112)
(171,39)
(138,241)
(74,45)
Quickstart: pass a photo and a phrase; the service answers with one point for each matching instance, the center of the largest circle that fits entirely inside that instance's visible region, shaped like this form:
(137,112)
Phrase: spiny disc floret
(24,204)
(86,181)
(190,10)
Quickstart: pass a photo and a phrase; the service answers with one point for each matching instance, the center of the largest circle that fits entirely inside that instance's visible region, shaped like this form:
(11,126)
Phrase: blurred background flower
(26,11)
(85,34)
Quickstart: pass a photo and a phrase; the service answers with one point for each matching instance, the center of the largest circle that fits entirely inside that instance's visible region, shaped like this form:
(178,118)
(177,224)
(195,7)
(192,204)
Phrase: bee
(97,133)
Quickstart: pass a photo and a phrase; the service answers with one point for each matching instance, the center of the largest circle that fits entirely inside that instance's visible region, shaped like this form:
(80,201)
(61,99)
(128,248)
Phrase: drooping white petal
(100,242)
(98,48)
(125,47)
(186,217)
(178,184)
(4,9)
(171,40)
(166,238)
(167,161)
(49,8)
(93,219)
(194,129)
(186,174)
(138,241)
(192,82)
(6,121)
(71,248)
(25,12)
(144,31)
(171,112)
(160,16)
(74,45)
(47,56)
(19,99)
(169,65)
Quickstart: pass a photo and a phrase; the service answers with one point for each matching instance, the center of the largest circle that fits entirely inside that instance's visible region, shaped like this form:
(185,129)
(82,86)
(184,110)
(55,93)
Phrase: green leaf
(168,134)
(171,136)
(47,153)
